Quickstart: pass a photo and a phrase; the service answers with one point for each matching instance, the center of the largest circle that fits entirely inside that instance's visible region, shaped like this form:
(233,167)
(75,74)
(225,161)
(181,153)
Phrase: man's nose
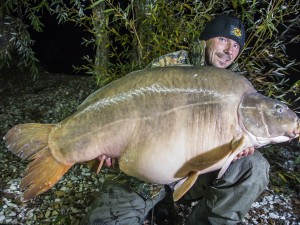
(229,49)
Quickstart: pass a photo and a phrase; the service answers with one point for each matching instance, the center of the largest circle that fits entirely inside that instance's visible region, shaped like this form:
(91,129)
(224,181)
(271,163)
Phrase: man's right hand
(244,153)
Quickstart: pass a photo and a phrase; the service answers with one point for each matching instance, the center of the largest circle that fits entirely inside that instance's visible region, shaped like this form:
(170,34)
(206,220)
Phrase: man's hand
(244,153)
(106,161)
(110,162)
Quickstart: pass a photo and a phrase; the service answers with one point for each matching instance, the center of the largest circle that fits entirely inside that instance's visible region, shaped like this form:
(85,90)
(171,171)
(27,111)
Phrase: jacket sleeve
(174,58)
(198,53)
(182,57)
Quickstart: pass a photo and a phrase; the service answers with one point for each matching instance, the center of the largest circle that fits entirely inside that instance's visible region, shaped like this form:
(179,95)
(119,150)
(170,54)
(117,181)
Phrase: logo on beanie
(236,32)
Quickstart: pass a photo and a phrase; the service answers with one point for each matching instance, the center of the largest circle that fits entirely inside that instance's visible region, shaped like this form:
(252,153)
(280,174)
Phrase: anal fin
(185,186)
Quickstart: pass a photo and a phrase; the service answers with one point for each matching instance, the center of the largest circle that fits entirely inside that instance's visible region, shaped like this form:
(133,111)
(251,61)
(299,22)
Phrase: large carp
(162,124)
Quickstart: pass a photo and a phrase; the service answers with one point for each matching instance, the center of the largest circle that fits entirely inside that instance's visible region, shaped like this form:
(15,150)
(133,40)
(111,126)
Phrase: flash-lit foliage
(127,35)
(15,46)
(272,25)
(165,26)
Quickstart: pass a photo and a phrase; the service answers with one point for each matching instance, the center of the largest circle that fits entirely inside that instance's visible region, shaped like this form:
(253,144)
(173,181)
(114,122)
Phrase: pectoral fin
(206,161)
(237,146)
(185,186)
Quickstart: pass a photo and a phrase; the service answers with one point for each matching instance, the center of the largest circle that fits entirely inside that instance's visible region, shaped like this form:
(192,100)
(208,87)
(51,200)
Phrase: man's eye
(236,46)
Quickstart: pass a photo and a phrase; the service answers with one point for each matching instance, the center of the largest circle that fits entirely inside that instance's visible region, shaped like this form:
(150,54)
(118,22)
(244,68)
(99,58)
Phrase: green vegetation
(15,46)
(285,165)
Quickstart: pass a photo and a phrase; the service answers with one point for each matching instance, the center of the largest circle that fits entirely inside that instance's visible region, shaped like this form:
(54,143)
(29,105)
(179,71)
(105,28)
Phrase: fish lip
(296,131)
(292,134)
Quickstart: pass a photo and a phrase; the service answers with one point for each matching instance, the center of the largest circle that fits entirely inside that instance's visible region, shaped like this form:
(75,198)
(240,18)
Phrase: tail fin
(30,141)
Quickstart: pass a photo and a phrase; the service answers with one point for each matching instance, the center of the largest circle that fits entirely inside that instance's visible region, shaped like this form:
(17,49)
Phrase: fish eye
(279,108)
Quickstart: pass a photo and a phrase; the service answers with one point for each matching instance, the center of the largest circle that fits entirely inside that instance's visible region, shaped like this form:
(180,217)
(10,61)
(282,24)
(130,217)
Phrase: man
(219,201)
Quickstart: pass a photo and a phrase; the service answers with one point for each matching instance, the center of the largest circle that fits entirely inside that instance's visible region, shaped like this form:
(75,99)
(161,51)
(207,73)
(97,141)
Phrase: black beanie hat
(227,26)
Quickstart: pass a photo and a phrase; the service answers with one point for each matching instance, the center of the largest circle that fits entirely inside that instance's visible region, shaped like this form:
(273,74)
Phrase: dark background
(59,47)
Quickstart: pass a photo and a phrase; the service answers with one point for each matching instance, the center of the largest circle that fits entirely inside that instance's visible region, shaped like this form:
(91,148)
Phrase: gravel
(55,96)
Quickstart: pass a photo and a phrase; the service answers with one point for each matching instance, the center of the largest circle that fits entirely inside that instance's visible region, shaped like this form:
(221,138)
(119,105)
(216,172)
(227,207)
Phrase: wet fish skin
(163,124)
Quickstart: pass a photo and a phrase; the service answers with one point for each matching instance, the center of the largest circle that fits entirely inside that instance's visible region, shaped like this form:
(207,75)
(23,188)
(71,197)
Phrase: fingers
(244,153)
(252,149)
(107,161)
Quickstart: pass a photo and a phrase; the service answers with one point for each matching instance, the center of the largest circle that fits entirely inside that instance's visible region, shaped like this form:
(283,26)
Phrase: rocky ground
(53,97)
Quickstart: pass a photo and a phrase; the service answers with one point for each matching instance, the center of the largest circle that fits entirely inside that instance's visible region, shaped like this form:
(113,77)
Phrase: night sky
(59,47)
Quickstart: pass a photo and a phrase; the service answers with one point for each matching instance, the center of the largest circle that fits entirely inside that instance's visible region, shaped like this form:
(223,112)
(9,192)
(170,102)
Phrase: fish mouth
(295,131)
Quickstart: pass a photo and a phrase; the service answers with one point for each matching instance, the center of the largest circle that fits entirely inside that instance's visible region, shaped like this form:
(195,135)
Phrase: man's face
(221,51)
